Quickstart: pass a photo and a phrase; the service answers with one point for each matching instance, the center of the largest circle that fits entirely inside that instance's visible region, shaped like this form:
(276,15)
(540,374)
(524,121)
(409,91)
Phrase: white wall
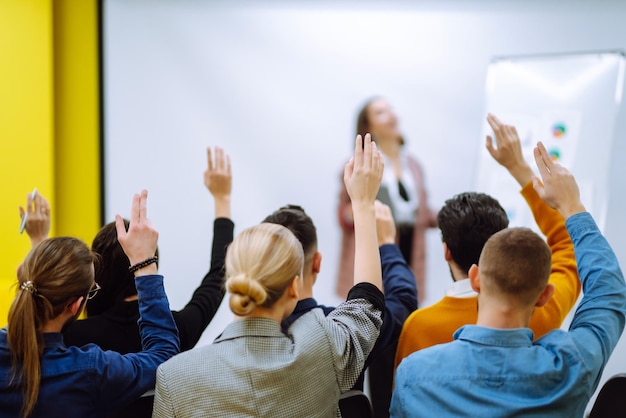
(278,84)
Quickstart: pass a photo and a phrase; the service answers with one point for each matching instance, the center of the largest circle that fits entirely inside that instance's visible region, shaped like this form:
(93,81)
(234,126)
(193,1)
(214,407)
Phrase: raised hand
(385,225)
(140,241)
(559,188)
(508,150)
(37,214)
(362,176)
(363,173)
(218,179)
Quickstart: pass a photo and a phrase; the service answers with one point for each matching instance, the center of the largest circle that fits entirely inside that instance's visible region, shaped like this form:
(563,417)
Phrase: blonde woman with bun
(253,369)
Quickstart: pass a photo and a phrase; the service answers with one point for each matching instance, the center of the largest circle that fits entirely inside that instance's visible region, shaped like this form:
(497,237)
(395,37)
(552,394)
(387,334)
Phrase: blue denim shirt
(489,372)
(89,382)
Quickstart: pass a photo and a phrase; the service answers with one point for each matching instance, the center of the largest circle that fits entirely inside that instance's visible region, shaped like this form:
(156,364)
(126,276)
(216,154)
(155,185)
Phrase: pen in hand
(25,217)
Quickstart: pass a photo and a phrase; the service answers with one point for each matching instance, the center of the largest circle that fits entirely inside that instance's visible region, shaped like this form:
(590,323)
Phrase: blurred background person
(403,190)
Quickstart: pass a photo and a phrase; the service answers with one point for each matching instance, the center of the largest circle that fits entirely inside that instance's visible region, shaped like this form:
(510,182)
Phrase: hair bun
(245,294)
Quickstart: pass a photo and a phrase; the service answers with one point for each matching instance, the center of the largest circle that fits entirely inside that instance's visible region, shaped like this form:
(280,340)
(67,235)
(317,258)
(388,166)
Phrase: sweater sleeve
(400,297)
(193,319)
(564,275)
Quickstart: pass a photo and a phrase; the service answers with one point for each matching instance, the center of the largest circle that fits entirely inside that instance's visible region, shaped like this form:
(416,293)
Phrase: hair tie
(28,285)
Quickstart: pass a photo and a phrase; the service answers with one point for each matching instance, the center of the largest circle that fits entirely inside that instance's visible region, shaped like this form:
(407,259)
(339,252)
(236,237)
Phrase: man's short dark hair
(295,219)
(467,221)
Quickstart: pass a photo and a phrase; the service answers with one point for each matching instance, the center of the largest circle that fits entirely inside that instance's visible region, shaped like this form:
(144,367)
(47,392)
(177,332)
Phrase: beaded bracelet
(142,264)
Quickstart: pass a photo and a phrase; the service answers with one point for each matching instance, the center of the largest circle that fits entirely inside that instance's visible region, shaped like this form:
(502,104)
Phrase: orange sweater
(437,323)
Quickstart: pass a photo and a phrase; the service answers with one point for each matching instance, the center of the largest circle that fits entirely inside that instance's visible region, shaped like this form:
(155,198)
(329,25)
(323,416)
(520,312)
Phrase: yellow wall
(48,122)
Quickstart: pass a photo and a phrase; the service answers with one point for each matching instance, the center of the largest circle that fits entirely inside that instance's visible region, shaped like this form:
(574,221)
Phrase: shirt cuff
(368,292)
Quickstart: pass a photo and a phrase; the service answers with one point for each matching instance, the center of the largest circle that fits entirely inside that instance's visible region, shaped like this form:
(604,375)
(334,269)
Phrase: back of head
(55,273)
(515,262)
(111,271)
(260,263)
(467,221)
(295,219)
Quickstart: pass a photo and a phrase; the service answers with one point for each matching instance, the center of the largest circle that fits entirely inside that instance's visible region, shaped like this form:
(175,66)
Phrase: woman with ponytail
(39,375)
(253,369)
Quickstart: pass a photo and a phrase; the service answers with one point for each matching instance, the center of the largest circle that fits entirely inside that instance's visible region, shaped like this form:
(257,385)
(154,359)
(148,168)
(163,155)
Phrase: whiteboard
(570,102)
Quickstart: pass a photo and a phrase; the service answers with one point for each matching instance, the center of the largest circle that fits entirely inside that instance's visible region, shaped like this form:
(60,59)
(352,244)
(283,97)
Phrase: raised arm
(398,282)
(599,319)
(37,214)
(218,179)
(362,177)
(128,376)
(193,319)
(564,275)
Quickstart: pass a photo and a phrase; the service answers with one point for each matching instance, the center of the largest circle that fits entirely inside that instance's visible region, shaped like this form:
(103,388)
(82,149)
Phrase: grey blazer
(254,370)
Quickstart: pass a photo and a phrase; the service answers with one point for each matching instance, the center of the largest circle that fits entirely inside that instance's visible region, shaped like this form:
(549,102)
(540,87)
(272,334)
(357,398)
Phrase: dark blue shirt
(87,381)
(400,291)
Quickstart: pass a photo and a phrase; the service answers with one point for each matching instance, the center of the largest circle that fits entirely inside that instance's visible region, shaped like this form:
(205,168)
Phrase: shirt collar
(461,289)
(53,340)
(514,337)
(305,305)
(251,327)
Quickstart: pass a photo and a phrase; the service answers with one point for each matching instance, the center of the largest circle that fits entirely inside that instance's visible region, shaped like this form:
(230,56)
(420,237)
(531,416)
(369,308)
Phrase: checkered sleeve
(352,330)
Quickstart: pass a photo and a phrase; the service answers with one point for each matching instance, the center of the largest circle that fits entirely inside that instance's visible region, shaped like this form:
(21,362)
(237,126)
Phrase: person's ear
(294,287)
(447,254)
(316,264)
(474,278)
(75,307)
(545,296)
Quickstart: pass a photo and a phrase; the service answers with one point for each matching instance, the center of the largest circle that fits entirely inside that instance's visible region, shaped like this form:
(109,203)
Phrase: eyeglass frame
(94,291)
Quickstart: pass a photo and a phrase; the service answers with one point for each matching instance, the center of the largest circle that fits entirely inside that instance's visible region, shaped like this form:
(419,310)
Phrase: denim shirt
(500,372)
(89,382)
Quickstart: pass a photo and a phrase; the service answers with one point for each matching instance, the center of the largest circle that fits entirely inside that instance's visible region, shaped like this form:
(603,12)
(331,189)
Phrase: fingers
(30,207)
(489,145)
(367,151)
(209,159)
(494,122)
(218,162)
(228,168)
(121,229)
(42,205)
(359,144)
(143,206)
(347,170)
(134,209)
(543,160)
(538,186)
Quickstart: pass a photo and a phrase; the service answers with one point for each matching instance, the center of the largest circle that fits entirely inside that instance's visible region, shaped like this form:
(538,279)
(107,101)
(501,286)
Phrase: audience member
(253,368)
(39,375)
(494,368)
(112,315)
(398,280)
(466,222)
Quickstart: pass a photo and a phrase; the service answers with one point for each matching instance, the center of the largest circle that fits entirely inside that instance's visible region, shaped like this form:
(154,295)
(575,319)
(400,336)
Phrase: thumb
(22,212)
(538,186)
(489,145)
